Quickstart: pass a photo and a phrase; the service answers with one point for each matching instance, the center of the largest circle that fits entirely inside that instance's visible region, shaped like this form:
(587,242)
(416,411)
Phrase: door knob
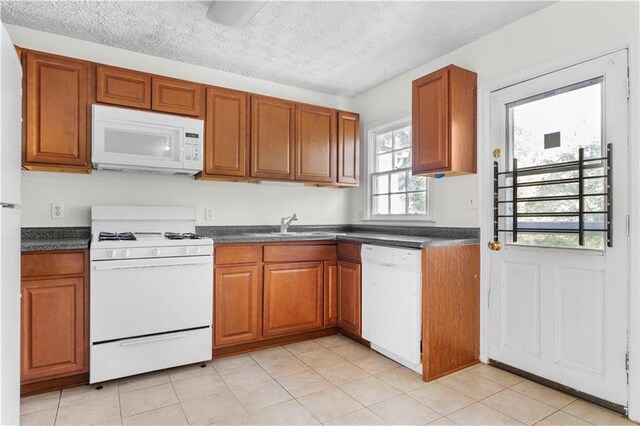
(495,245)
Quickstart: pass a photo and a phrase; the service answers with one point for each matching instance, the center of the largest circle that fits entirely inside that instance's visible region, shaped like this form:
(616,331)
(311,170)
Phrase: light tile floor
(330,380)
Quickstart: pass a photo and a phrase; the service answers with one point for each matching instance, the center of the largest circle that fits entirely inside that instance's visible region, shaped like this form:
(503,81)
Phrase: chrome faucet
(286,221)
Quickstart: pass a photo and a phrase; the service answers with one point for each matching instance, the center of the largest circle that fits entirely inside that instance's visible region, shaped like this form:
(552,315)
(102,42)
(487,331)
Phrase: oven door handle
(144,340)
(149,265)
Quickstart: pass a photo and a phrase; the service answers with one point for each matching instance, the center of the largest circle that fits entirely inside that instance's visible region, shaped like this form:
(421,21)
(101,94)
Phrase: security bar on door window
(555,198)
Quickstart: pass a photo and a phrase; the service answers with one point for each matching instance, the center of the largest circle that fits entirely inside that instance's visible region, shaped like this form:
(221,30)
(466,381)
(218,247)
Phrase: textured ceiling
(342,48)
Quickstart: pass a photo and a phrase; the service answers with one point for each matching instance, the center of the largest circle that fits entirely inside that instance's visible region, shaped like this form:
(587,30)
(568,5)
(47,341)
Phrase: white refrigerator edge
(10,205)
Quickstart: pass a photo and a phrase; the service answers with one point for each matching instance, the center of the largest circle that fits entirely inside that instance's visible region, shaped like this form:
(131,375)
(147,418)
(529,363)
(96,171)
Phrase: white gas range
(151,290)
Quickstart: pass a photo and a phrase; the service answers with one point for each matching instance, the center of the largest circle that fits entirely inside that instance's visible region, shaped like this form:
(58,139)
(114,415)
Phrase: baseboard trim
(28,389)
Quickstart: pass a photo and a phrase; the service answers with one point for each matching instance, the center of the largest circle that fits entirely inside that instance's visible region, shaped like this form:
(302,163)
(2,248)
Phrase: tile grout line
(55,419)
(178,399)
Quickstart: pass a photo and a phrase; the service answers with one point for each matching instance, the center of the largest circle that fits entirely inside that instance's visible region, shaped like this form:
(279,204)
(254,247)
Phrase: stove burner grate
(182,236)
(115,236)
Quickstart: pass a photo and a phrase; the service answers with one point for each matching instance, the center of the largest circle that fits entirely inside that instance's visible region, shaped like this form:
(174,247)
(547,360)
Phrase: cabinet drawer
(47,264)
(349,251)
(299,253)
(236,254)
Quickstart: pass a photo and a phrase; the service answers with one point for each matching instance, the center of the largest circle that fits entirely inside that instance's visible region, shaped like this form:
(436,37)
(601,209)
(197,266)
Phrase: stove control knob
(126,253)
(112,253)
(195,250)
(155,252)
(185,250)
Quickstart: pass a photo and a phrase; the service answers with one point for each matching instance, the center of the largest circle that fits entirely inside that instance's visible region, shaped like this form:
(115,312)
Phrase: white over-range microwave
(131,140)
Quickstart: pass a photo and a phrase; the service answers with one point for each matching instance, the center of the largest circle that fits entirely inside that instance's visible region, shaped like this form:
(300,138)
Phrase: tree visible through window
(393,190)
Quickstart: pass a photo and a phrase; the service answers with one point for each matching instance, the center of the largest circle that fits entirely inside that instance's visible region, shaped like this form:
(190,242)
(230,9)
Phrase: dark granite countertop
(43,239)
(397,236)
(46,239)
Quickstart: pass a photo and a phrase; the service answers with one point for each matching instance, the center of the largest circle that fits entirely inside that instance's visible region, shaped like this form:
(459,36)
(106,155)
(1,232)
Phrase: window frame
(370,154)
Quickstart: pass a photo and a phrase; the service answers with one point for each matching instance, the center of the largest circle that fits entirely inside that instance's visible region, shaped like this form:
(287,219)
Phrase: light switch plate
(209,214)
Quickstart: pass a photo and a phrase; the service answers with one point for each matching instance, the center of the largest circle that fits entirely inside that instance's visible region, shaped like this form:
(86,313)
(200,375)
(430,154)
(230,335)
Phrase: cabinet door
(272,138)
(430,129)
(118,86)
(226,142)
(236,305)
(56,97)
(349,297)
(53,328)
(316,146)
(177,96)
(293,297)
(348,148)
(330,293)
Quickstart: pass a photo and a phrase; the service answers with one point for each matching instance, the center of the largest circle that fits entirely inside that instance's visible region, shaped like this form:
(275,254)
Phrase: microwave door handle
(180,142)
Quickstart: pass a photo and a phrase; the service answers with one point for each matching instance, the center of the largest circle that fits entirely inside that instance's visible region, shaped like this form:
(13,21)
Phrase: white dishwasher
(392,302)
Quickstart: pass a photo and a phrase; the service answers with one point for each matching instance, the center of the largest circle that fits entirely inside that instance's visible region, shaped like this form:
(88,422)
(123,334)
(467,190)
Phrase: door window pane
(549,129)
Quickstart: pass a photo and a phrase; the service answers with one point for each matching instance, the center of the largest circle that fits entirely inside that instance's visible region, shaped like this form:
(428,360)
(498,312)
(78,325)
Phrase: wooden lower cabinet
(450,309)
(349,297)
(330,293)
(293,298)
(54,315)
(236,305)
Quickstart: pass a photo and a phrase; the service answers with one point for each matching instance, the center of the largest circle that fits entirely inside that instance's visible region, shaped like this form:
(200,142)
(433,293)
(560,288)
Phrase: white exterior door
(556,309)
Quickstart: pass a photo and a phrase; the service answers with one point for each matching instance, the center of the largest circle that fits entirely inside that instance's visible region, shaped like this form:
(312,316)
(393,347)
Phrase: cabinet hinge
(628,225)
(489,299)
(628,88)
(626,364)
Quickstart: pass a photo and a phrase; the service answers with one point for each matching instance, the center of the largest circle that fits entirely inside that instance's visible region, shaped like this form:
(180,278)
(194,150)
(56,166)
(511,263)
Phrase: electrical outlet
(57,211)
(360,214)
(209,214)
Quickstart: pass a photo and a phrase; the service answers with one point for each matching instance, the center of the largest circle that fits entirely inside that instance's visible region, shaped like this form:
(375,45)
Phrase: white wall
(234,203)
(551,32)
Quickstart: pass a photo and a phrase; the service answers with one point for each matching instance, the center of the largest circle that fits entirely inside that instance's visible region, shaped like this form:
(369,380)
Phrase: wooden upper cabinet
(348,148)
(177,96)
(444,122)
(57,112)
(119,86)
(293,298)
(349,297)
(272,138)
(227,134)
(316,144)
(236,310)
